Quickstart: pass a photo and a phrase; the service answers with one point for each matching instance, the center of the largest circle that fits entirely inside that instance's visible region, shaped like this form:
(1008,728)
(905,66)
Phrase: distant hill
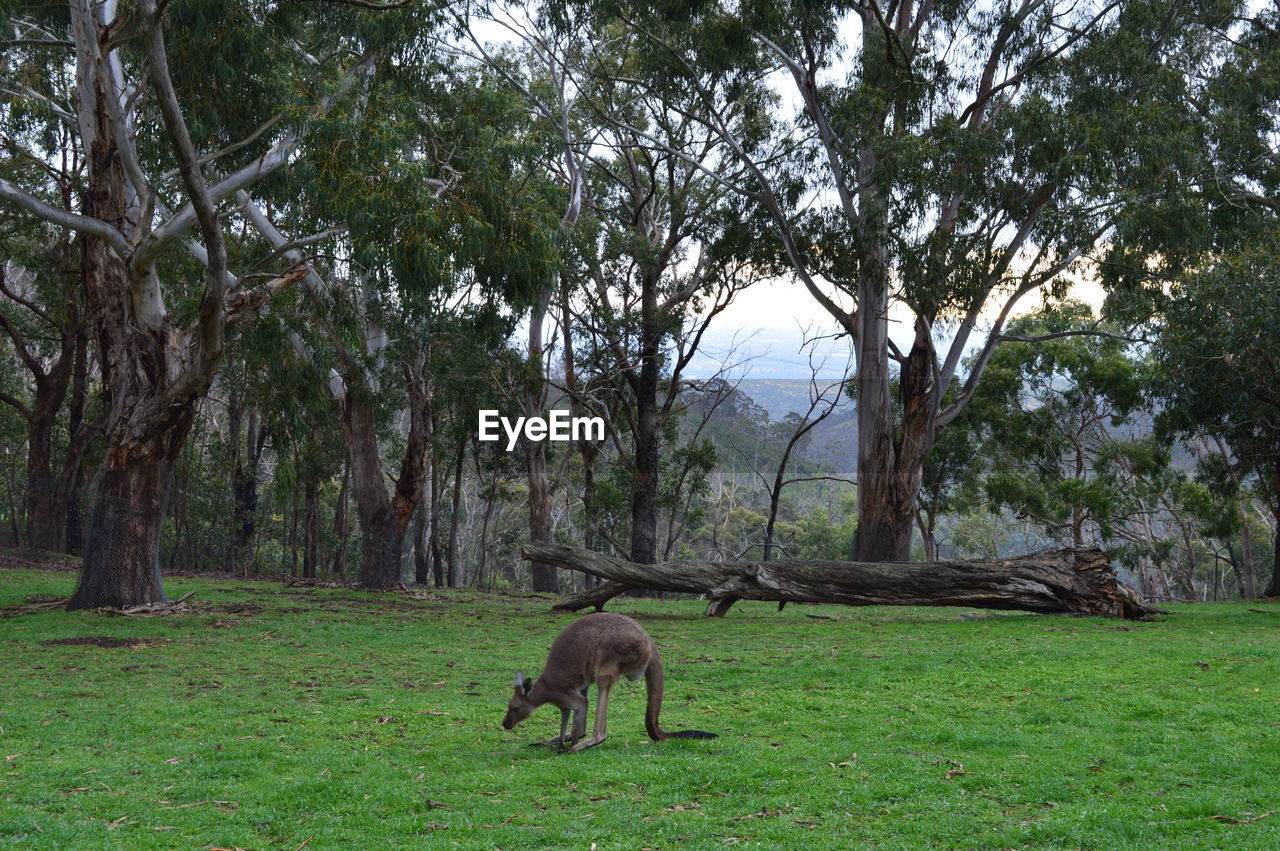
(754,417)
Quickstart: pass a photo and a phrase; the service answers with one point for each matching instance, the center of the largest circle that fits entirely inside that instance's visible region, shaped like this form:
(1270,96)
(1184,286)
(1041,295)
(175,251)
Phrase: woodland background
(261,263)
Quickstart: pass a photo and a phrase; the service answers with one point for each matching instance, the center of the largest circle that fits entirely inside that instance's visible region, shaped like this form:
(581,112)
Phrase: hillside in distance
(755,419)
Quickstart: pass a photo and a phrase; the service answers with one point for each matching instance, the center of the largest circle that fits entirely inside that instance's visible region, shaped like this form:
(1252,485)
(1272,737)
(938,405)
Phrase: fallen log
(1063,581)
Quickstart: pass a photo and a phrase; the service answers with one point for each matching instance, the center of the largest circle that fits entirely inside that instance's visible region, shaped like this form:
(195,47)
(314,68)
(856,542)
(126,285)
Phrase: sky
(762,334)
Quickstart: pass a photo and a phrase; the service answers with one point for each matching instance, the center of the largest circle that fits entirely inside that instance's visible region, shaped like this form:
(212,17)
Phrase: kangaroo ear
(522,682)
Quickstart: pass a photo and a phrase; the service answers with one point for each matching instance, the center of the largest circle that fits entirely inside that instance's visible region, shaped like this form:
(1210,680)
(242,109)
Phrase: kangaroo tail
(653,686)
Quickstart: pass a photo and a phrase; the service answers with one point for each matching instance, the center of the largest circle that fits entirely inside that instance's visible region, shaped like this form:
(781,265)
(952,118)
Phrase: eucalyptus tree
(644,248)
(1216,343)
(41,305)
(169,140)
(656,280)
(446,220)
(540,70)
(1219,355)
(475,369)
(1061,428)
(40,317)
(946,160)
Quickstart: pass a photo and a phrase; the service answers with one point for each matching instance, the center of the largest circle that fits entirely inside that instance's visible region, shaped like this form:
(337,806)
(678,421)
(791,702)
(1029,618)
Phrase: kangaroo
(597,648)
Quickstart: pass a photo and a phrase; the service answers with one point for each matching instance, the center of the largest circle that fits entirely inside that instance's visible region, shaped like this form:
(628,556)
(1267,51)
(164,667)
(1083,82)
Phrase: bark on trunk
(121,566)
(1273,588)
(44,523)
(1248,583)
(42,508)
(891,455)
(384,518)
(587,450)
(1050,582)
(644,494)
(379,556)
(545,577)
(483,557)
(44,505)
(421,561)
(380,535)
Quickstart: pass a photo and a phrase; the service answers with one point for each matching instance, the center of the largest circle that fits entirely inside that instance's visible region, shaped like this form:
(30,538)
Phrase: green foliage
(1218,355)
(1052,425)
(277,716)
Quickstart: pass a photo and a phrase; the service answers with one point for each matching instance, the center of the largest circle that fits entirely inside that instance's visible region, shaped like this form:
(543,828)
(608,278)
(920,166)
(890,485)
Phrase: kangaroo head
(519,707)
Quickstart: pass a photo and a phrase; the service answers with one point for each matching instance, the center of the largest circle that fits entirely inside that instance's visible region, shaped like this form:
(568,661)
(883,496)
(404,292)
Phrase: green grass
(275,716)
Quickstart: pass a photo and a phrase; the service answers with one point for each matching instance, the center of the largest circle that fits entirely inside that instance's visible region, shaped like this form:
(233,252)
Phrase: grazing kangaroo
(597,648)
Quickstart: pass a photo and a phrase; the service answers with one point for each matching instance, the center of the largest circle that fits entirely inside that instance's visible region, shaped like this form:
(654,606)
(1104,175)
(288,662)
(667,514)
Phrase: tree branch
(212,316)
(154,244)
(62,218)
(18,405)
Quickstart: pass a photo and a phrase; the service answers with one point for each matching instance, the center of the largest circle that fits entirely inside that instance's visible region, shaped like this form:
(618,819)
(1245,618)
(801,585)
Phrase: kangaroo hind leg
(604,682)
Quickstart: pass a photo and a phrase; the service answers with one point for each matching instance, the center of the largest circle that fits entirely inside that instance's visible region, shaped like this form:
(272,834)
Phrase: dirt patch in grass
(98,641)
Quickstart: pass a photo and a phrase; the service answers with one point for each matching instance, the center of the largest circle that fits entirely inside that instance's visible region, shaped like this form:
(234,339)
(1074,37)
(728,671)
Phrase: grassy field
(288,717)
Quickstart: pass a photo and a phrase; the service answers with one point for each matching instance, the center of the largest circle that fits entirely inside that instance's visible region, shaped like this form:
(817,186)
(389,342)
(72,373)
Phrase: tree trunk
(145,433)
(44,520)
(545,577)
(587,450)
(483,557)
(1248,583)
(421,559)
(44,524)
(1273,588)
(45,509)
(293,530)
(891,455)
(81,438)
(15,510)
(456,513)
(644,493)
(341,524)
(384,518)
(928,522)
(235,429)
(121,566)
(244,488)
(379,536)
(152,378)
(433,520)
(311,531)
(1049,582)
